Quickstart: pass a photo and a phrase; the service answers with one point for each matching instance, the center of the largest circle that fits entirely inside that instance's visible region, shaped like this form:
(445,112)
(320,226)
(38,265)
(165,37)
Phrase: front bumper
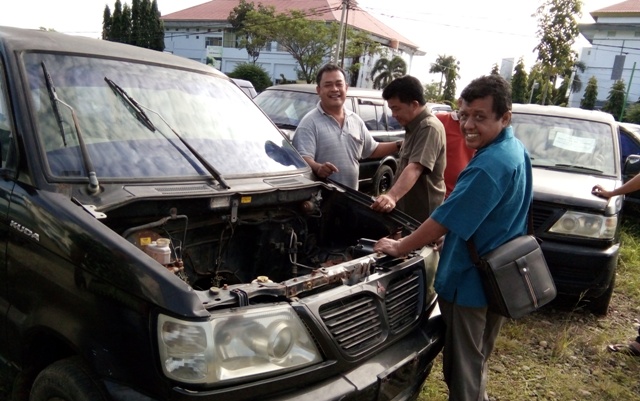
(579,270)
(395,374)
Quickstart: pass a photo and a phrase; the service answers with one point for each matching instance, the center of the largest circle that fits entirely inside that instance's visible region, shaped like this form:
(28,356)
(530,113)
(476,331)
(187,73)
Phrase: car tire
(600,305)
(68,380)
(382,180)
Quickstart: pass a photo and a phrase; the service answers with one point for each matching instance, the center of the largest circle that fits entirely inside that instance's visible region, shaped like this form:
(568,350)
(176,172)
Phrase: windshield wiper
(54,97)
(142,116)
(578,167)
(94,185)
(134,107)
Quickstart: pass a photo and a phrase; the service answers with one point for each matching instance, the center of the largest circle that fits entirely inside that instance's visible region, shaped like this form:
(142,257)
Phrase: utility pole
(626,95)
(345,30)
(345,7)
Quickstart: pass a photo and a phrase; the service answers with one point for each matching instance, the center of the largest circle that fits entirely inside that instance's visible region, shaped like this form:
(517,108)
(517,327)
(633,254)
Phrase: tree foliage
(253,36)
(615,100)
(308,41)
(432,92)
(557,31)
(519,82)
(632,114)
(139,25)
(495,70)
(590,96)
(448,68)
(253,73)
(359,45)
(385,71)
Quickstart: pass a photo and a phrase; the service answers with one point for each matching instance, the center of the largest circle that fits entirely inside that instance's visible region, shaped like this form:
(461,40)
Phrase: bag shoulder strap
(473,251)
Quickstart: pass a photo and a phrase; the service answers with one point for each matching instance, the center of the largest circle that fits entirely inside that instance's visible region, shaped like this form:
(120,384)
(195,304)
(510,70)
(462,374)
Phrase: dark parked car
(162,240)
(287,104)
(630,146)
(572,150)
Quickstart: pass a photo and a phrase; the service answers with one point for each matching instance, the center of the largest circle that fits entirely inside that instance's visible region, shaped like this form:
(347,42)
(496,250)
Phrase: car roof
(19,40)
(311,88)
(559,111)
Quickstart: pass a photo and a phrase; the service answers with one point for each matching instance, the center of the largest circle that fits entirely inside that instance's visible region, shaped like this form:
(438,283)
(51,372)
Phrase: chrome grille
(360,322)
(402,301)
(353,322)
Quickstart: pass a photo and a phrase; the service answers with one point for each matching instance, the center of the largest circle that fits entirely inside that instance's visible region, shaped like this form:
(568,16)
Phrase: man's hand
(324,170)
(388,246)
(384,204)
(597,190)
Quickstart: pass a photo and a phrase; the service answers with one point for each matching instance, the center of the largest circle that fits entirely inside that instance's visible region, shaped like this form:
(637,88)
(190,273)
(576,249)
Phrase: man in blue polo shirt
(489,203)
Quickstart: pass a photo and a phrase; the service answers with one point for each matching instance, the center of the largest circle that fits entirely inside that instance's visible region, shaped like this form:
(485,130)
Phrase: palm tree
(444,65)
(385,70)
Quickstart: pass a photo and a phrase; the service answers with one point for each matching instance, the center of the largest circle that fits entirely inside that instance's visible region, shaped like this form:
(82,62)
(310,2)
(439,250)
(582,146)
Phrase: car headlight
(234,344)
(586,225)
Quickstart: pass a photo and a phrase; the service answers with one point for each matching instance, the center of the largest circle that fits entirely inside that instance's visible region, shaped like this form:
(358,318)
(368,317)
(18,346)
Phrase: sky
(478,34)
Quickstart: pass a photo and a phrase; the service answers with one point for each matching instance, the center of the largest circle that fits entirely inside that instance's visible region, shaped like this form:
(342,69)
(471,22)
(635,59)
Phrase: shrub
(253,73)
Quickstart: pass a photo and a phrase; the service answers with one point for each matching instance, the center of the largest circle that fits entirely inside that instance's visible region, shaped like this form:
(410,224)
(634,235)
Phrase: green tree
(120,24)
(590,96)
(431,92)
(385,70)
(449,91)
(107,22)
(254,73)
(139,25)
(615,100)
(632,114)
(253,37)
(536,77)
(495,70)
(359,45)
(519,83)
(557,31)
(308,41)
(569,77)
(157,27)
(442,66)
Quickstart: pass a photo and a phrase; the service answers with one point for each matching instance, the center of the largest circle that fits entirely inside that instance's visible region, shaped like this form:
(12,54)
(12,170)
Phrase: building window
(611,34)
(636,34)
(231,40)
(212,41)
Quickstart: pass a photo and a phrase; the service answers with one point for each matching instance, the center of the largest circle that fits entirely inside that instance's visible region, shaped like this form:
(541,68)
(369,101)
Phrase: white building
(202,32)
(615,34)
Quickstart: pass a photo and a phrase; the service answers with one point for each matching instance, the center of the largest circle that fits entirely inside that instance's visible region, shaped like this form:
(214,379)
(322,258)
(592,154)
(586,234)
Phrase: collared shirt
(424,143)
(490,203)
(458,154)
(320,137)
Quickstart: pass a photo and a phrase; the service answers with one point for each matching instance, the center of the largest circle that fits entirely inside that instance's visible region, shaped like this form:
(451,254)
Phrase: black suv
(163,241)
(571,151)
(287,104)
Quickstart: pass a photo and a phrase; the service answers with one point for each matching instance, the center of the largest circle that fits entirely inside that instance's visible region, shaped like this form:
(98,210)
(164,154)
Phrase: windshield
(192,117)
(567,143)
(286,108)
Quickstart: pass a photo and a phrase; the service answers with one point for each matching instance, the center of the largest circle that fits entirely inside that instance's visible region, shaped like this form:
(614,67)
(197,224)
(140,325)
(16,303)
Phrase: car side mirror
(631,165)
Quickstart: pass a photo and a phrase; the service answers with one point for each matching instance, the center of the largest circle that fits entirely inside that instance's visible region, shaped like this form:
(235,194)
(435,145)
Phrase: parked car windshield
(566,143)
(286,108)
(135,133)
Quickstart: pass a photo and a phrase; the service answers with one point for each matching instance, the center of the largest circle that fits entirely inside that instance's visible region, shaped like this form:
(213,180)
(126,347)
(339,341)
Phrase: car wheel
(382,180)
(600,305)
(67,380)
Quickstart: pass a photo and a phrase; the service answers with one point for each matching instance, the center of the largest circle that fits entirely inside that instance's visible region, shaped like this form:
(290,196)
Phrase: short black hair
(406,89)
(329,68)
(490,85)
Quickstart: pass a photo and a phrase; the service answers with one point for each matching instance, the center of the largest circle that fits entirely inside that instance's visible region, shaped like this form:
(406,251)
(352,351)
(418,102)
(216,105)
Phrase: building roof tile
(327,10)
